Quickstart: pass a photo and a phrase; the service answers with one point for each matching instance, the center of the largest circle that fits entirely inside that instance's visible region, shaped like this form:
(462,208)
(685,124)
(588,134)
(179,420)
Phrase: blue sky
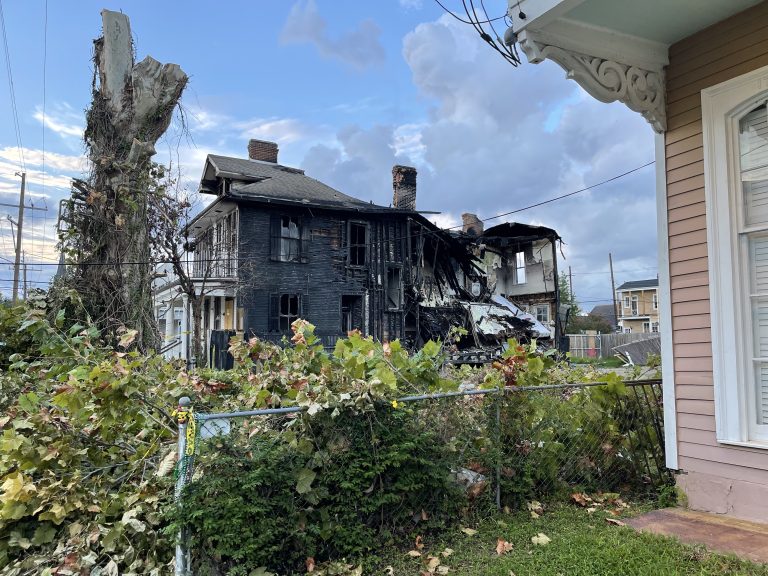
(347,89)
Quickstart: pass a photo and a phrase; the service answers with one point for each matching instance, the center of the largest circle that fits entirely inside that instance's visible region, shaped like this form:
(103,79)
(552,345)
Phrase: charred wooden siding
(729,49)
(326,275)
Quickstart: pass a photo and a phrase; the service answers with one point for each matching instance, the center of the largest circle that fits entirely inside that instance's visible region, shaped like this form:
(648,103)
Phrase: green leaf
(44,534)
(304,481)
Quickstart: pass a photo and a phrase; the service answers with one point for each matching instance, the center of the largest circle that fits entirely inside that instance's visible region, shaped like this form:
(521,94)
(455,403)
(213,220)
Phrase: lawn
(580,544)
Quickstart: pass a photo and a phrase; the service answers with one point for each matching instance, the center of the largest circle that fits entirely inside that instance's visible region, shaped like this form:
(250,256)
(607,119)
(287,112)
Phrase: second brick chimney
(472,225)
(404,187)
(262,150)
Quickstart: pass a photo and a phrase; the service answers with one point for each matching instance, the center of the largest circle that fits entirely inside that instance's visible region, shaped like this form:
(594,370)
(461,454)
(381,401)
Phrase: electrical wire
(12,90)
(393,239)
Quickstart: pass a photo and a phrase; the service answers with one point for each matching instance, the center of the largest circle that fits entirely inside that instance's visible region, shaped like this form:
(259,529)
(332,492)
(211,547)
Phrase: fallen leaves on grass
(447,552)
(419,543)
(581,499)
(535,508)
(541,539)
(502,547)
(615,522)
(469,531)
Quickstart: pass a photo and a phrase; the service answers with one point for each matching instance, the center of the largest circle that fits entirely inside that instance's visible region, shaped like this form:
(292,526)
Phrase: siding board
(695,422)
(724,51)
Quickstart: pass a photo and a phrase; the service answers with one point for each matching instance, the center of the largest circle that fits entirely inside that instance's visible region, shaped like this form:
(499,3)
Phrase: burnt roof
(255,180)
(636,284)
(516,229)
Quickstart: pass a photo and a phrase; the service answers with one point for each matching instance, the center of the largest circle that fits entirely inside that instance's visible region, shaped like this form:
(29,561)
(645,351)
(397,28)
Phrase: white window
(626,301)
(736,190)
(627,330)
(655,327)
(635,302)
(542,313)
(655,301)
(519,268)
(646,327)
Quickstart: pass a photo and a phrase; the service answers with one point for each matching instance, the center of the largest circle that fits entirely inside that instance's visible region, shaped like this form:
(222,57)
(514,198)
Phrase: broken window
(351,313)
(289,239)
(284,310)
(542,313)
(394,288)
(358,243)
(519,268)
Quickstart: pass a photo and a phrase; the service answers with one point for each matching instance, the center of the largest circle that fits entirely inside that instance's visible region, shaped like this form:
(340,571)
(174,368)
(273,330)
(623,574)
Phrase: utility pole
(24,265)
(613,290)
(570,283)
(19,224)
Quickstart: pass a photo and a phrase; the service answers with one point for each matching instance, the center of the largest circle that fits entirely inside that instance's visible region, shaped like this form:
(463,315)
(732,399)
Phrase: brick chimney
(262,150)
(472,225)
(404,187)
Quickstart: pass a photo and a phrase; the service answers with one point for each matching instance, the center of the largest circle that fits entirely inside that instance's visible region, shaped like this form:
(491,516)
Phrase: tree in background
(577,322)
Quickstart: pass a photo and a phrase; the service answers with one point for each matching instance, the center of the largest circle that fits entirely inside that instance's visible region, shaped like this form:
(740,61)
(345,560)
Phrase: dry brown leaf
(414,553)
(447,552)
(424,516)
(432,563)
(615,522)
(443,569)
(581,499)
(419,543)
(502,547)
(469,531)
(591,510)
(310,562)
(541,539)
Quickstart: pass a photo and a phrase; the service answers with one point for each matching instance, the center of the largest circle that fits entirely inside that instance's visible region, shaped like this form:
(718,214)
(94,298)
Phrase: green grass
(612,362)
(582,544)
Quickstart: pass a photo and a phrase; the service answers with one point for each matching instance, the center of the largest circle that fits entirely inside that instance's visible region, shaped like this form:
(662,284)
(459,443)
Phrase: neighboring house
(608,313)
(276,245)
(638,304)
(698,72)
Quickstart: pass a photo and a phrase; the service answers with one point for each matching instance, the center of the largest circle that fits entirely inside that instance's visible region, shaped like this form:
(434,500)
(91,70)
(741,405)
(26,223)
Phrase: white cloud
(36,157)
(359,47)
(63,121)
(491,144)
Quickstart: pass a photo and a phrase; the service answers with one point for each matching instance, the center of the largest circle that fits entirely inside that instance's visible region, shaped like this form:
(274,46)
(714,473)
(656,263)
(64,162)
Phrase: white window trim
(721,106)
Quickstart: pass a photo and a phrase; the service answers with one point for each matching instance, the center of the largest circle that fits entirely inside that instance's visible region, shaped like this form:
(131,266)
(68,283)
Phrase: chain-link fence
(246,477)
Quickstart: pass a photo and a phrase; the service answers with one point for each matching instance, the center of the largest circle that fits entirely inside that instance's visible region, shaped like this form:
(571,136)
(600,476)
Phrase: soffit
(664,21)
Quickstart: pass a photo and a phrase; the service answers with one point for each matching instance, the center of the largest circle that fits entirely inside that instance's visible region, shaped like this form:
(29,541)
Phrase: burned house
(275,245)
(519,264)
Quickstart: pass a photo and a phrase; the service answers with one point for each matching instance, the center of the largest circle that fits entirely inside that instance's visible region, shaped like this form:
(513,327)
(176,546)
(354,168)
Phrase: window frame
(655,300)
(276,238)
(723,106)
(364,245)
(542,307)
(400,288)
(275,311)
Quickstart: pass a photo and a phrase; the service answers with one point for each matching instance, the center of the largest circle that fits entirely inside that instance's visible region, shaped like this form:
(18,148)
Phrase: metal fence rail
(567,444)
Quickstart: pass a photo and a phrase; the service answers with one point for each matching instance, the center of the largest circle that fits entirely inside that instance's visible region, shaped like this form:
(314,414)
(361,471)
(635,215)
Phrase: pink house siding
(717,477)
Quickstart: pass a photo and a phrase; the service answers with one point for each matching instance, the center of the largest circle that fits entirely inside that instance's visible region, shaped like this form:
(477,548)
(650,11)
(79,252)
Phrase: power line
(372,244)
(12,90)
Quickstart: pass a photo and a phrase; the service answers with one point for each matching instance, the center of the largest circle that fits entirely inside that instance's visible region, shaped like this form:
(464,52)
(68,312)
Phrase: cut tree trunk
(108,239)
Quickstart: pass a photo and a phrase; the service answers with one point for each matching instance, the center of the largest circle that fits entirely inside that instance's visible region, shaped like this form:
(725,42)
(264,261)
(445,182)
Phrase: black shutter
(304,240)
(274,237)
(304,306)
(274,312)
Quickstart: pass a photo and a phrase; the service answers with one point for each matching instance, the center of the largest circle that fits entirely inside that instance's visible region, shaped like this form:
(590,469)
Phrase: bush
(369,478)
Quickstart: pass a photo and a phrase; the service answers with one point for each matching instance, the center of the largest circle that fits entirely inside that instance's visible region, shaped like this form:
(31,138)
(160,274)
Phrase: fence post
(500,395)
(183,414)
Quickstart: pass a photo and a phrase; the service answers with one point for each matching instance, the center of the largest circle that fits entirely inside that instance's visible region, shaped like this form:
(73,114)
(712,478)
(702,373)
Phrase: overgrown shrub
(368,478)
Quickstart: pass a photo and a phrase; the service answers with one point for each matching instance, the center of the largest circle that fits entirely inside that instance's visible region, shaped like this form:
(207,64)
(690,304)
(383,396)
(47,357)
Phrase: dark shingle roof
(635,284)
(606,311)
(265,181)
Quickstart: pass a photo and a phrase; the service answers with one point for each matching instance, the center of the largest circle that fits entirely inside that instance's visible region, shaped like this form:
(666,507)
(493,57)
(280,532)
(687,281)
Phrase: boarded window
(394,288)
(358,244)
(284,309)
(289,239)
